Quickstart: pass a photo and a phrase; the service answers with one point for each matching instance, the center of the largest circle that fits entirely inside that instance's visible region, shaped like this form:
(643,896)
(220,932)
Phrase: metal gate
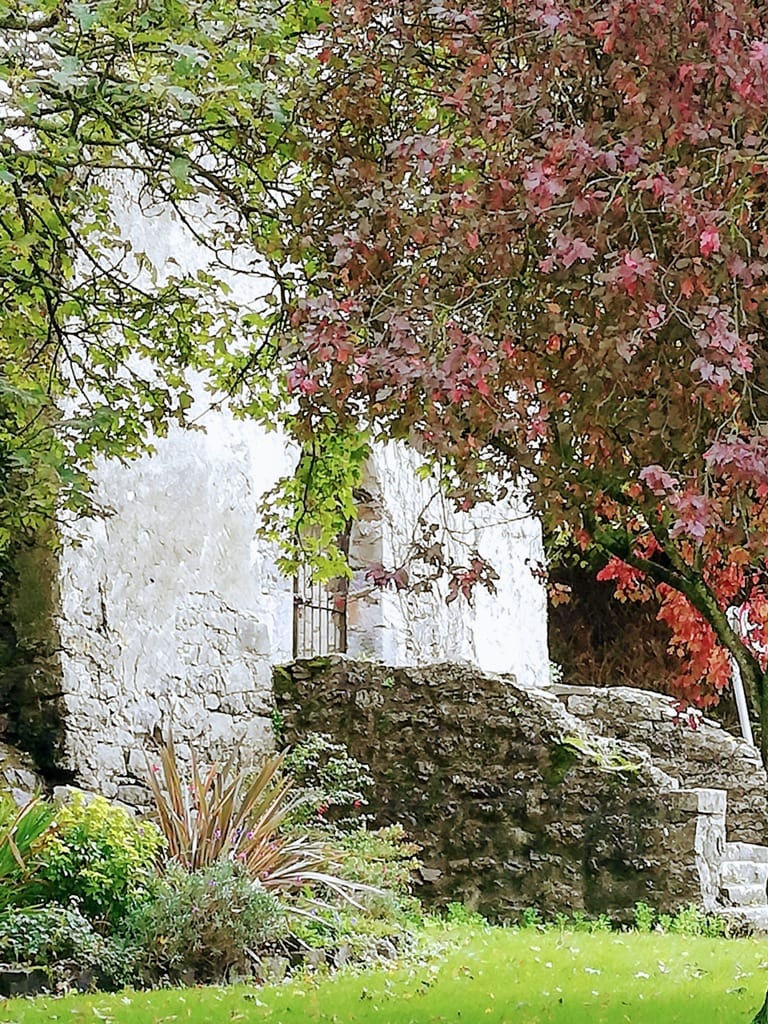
(319,616)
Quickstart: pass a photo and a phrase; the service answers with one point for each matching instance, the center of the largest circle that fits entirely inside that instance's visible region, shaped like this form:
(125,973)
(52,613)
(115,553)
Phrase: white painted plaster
(503,632)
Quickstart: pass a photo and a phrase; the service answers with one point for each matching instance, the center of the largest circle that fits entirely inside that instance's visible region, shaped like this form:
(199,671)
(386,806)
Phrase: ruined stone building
(169,608)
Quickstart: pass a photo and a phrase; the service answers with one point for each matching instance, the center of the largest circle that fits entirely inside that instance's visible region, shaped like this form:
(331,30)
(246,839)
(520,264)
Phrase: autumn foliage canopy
(534,242)
(527,237)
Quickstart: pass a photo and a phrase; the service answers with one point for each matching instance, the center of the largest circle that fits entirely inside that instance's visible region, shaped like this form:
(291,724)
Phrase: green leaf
(179,168)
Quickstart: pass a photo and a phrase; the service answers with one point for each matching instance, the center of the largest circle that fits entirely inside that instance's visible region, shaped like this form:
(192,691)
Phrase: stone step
(745,851)
(744,872)
(744,895)
(755,918)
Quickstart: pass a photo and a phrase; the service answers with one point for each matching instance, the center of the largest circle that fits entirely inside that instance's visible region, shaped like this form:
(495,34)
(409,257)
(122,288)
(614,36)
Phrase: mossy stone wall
(514,802)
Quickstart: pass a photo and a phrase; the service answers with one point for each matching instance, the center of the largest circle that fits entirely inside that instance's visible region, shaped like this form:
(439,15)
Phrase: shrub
(228,814)
(383,858)
(690,920)
(645,917)
(53,935)
(334,790)
(578,921)
(331,784)
(99,855)
(458,913)
(382,920)
(212,921)
(531,918)
(43,935)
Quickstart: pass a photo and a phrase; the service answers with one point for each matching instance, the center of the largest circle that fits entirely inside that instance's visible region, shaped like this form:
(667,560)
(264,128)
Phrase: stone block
(712,801)
(137,760)
(221,728)
(23,981)
(254,636)
(133,796)
(238,678)
(108,759)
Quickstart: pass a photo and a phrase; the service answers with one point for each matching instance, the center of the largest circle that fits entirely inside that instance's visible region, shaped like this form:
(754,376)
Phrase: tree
(533,243)
(170,104)
(527,238)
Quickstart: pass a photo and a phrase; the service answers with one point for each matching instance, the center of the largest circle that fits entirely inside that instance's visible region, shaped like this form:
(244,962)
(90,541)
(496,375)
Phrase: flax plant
(21,830)
(225,813)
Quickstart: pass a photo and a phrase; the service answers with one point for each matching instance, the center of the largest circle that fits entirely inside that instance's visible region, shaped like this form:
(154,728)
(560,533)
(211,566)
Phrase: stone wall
(31,697)
(169,607)
(169,612)
(514,802)
(500,632)
(705,756)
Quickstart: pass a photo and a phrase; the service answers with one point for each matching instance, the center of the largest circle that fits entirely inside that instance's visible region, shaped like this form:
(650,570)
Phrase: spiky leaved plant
(225,812)
(21,829)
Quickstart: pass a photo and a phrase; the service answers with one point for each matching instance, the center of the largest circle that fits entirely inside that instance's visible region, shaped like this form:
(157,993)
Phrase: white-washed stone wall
(501,632)
(172,609)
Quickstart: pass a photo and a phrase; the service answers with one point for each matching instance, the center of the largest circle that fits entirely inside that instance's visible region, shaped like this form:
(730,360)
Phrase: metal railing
(319,616)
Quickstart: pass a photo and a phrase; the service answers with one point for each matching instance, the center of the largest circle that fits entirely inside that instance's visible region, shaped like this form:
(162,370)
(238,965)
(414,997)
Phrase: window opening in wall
(320,613)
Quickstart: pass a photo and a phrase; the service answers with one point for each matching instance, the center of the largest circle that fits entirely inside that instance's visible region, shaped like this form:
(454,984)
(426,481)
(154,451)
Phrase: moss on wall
(31,713)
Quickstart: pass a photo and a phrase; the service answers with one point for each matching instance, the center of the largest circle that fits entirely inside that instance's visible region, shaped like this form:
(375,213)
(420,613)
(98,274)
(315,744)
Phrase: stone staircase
(722,783)
(744,885)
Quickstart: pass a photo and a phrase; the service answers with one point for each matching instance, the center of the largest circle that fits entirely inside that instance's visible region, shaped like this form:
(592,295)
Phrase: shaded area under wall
(514,801)
(600,641)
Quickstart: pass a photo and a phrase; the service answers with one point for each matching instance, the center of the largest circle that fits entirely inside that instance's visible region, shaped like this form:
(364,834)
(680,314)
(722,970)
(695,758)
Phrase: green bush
(334,788)
(332,785)
(49,936)
(213,921)
(385,913)
(645,917)
(458,913)
(99,855)
(691,920)
(578,921)
(44,935)
(531,918)
(382,857)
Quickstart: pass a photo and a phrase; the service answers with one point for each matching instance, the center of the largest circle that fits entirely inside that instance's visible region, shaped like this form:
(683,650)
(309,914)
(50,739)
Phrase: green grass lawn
(493,976)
